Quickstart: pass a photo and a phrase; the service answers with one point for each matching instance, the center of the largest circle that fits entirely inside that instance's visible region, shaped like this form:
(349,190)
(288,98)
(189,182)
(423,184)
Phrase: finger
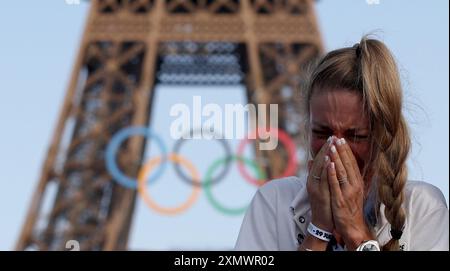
(352,158)
(358,178)
(339,167)
(341,146)
(324,174)
(319,158)
(310,163)
(322,177)
(335,189)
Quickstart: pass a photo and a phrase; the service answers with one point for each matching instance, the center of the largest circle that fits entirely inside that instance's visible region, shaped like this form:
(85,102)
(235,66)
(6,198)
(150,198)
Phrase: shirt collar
(300,208)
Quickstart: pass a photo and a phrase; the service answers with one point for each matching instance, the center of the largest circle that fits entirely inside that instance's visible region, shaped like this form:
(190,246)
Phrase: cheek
(361,153)
(316,145)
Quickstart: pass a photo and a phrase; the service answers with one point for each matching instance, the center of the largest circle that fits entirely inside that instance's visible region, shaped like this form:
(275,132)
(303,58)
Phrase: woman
(356,195)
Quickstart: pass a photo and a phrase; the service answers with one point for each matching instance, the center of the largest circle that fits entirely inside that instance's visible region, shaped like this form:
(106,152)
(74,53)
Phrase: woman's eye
(321,134)
(360,137)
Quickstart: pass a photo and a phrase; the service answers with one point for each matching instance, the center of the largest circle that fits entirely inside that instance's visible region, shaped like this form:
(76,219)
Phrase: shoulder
(284,189)
(278,195)
(260,229)
(427,216)
(423,197)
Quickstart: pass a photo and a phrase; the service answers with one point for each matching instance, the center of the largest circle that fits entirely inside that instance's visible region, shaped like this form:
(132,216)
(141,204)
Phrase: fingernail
(329,139)
(327,158)
(332,165)
(333,149)
(340,141)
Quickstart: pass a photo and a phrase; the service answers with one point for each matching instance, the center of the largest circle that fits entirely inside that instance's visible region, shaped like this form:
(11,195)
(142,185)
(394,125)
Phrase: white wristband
(319,233)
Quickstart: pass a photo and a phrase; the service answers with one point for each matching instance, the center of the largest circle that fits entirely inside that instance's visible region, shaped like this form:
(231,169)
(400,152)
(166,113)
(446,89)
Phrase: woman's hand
(318,190)
(347,195)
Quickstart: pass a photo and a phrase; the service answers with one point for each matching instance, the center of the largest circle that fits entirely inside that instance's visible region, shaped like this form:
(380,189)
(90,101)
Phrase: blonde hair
(370,69)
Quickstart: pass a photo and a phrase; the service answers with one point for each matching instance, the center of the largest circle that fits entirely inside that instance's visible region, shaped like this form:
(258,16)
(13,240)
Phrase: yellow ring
(144,173)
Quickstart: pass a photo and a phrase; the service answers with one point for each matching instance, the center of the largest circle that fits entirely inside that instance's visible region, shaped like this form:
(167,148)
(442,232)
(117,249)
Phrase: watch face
(369,247)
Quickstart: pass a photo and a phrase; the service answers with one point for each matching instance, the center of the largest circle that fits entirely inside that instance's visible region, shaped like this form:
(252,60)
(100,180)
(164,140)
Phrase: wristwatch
(370,245)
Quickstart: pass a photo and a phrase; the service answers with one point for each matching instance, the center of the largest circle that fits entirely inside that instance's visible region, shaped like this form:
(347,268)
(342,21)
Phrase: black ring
(220,176)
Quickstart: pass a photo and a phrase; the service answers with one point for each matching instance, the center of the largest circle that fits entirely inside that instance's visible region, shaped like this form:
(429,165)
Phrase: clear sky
(39,41)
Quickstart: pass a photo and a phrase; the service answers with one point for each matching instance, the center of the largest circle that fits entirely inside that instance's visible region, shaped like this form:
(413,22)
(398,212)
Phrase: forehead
(338,109)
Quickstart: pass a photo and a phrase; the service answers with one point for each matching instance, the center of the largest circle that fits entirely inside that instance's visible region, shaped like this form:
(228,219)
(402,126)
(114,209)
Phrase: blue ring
(114,145)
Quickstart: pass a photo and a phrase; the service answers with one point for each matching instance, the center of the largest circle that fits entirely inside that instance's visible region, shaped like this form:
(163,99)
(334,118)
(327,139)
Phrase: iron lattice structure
(128,47)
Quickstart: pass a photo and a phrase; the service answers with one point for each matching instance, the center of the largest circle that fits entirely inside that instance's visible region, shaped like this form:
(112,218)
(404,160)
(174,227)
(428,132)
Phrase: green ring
(207,184)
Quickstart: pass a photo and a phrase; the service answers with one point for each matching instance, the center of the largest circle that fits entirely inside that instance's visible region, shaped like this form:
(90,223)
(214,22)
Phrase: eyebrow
(326,127)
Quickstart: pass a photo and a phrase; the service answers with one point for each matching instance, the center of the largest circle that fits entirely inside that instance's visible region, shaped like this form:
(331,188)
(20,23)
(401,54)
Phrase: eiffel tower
(128,47)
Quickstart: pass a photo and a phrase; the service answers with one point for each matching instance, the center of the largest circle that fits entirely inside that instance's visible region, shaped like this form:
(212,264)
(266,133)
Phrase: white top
(280,213)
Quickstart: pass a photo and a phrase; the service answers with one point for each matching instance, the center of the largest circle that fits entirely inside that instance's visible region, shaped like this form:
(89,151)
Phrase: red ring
(289,146)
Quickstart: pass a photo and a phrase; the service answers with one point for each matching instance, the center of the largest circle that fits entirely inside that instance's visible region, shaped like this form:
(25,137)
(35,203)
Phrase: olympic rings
(143,174)
(195,179)
(208,181)
(220,176)
(114,145)
(289,146)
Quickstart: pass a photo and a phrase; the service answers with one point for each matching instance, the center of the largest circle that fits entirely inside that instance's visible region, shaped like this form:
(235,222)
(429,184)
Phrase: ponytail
(390,144)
